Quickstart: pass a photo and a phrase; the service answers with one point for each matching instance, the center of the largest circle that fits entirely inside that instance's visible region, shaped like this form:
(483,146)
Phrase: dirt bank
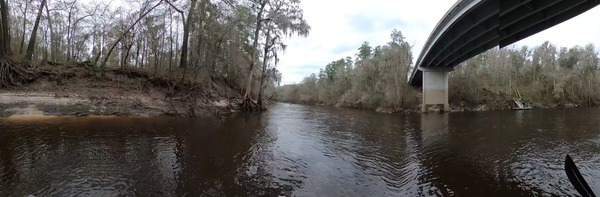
(82,90)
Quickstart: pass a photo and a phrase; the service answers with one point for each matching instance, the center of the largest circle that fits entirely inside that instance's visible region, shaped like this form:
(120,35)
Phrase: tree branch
(125,33)
(173,6)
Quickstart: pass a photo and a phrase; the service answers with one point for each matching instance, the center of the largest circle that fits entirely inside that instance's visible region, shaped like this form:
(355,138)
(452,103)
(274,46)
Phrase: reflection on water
(303,151)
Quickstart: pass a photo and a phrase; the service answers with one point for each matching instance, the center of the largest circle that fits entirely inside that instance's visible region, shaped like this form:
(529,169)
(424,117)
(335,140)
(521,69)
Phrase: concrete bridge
(471,27)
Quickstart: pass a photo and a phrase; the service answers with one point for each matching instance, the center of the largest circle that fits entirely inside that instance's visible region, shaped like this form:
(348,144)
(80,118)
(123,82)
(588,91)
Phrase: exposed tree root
(13,73)
(249,104)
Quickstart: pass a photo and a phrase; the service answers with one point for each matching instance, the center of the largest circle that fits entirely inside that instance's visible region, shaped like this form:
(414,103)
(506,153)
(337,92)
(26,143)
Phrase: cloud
(362,23)
(345,48)
(339,27)
(395,24)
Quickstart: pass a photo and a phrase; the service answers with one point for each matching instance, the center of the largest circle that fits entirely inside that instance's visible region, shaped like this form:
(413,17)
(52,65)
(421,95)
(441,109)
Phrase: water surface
(302,151)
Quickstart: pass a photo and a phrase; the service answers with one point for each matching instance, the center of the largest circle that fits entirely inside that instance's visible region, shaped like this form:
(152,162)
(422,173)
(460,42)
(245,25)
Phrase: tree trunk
(176,51)
(156,53)
(5,24)
(45,46)
(264,68)
(100,48)
(2,49)
(69,31)
(171,58)
(248,91)
(125,33)
(52,36)
(24,27)
(170,43)
(137,53)
(204,39)
(213,64)
(36,25)
(124,63)
(186,35)
(156,63)
(143,61)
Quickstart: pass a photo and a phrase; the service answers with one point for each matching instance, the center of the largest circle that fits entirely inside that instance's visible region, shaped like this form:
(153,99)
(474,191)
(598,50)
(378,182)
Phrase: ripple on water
(302,151)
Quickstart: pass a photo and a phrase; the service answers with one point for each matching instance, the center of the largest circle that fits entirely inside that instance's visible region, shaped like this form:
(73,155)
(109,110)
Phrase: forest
(374,78)
(183,45)
(544,76)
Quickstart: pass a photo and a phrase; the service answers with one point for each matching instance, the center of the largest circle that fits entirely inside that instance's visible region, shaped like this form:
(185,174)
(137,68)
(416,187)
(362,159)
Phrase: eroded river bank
(49,104)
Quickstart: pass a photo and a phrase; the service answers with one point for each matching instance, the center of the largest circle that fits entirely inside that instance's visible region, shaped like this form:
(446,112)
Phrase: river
(298,150)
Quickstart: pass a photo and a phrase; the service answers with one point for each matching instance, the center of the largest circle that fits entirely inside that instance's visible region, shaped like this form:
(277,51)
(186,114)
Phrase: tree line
(374,78)
(543,76)
(235,41)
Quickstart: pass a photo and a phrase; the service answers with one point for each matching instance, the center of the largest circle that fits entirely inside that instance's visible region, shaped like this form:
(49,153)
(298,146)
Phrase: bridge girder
(471,27)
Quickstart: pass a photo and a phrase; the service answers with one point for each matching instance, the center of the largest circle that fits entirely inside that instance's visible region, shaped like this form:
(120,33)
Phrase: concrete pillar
(435,87)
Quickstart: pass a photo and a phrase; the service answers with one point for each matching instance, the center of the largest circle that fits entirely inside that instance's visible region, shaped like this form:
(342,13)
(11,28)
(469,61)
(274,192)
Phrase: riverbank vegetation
(544,76)
(189,44)
(374,78)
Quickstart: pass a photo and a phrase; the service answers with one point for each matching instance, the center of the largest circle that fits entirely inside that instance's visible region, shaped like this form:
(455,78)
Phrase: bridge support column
(435,87)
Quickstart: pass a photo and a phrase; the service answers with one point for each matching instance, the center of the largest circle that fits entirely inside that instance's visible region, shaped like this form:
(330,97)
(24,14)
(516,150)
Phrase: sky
(339,27)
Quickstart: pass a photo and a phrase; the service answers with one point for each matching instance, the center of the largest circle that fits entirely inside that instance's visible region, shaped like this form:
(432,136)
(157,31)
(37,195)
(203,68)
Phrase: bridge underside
(460,36)
(473,26)
(520,19)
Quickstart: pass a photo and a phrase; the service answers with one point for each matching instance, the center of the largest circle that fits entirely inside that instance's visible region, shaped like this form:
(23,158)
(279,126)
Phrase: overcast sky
(340,26)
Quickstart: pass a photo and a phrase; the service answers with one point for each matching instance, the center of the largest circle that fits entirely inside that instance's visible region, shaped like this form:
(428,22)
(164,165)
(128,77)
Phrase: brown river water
(297,150)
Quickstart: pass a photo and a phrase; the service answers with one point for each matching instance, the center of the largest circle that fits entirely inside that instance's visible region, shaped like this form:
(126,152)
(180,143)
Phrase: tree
(186,31)
(376,80)
(143,14)
(364,52)
(286,20)
(24,27)
(52,47)
(249,103)
(268,45)
(4,29)
(210,40)
(36,25)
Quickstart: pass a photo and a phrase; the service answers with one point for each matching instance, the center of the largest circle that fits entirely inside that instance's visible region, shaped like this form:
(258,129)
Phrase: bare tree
(24,27)
(52,36)
(144,13)
(187,21)
(36,25)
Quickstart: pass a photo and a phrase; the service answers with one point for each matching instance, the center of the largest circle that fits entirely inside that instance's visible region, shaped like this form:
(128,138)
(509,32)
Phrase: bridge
(471,27)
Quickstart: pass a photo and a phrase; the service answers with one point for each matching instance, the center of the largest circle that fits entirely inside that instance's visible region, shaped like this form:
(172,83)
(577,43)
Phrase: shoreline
(433,109)
(22,104)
